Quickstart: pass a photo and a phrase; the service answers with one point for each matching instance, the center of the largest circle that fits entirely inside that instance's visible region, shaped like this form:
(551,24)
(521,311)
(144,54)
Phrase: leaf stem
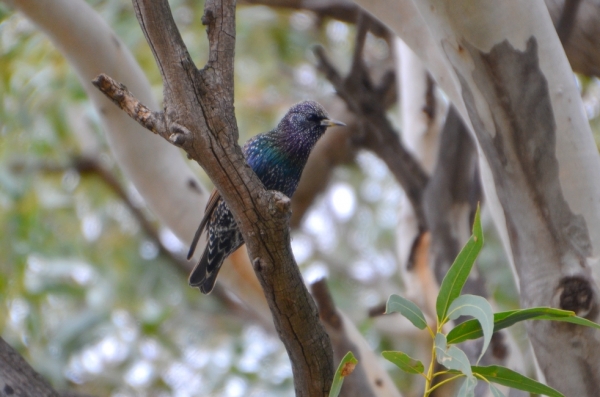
(444,382)
(430,375)
(430,332)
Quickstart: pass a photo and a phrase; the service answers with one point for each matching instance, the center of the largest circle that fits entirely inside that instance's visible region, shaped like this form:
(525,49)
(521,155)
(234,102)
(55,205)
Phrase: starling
(278,158)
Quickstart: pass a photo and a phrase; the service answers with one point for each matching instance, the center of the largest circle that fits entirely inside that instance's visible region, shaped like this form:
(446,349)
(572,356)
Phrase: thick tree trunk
(503,66)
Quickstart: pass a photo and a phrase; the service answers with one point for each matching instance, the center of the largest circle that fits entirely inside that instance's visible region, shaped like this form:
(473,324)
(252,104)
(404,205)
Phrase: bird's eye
(314,118)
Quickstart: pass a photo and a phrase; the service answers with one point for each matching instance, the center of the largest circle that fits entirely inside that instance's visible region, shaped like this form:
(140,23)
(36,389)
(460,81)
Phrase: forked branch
(199,117)
(366,100)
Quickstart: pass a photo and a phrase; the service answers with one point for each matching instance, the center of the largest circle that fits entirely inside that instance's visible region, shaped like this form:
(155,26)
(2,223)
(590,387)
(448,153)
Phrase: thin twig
(124,99)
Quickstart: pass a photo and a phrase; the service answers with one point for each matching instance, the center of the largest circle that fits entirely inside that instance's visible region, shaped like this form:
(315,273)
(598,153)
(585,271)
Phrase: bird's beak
(332,123)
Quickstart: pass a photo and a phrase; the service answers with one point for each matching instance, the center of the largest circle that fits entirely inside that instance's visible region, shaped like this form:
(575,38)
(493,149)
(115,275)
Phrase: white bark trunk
(422,113)
(502,65)
(422,110)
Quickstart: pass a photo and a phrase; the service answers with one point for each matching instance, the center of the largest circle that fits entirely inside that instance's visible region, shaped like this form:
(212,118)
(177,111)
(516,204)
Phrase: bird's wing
(213,200)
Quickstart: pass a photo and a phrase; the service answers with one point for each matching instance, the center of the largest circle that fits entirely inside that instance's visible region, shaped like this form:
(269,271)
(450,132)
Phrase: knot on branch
(258,265)
(179,134)
(279,204)
(208,17)
(576,294)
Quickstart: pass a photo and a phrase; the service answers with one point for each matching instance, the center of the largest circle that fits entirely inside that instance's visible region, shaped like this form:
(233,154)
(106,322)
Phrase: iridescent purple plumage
(278,158)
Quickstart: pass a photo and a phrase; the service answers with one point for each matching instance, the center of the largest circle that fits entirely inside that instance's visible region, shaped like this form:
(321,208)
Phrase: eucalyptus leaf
(344,369)
(471,329)
(467,389)
(451,357)
(405,362)
(573,320)
(408,309)
(478,307)
(507,377)
(495,391)
(458,273)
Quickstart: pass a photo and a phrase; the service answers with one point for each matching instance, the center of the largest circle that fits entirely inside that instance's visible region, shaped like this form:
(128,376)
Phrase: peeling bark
(520,151)
(504,69)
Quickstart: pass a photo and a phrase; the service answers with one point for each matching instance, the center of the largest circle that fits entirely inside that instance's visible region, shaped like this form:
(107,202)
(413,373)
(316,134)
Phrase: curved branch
(368,378)
(365,100)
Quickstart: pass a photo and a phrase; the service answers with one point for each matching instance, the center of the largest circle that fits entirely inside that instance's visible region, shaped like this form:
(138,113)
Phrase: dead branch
(366,100)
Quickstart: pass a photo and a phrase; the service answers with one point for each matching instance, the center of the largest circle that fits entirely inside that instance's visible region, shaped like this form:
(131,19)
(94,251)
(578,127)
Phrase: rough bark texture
(17,378)
(199,117)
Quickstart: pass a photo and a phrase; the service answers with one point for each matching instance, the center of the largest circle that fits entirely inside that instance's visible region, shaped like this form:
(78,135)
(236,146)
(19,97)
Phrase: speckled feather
(278,158)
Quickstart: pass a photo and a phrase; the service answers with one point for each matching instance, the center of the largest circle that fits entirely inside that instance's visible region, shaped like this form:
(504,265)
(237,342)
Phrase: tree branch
(199,117)
(18,378)
(566,23)
(344,10)
(451,197)
(367,101)
(368,378)
(124,99)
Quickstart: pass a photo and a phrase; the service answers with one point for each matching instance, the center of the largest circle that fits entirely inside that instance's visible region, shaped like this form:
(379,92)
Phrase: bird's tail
(204,274)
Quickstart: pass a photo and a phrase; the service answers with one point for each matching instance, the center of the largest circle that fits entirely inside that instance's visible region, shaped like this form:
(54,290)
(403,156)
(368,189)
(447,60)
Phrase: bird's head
(307,119)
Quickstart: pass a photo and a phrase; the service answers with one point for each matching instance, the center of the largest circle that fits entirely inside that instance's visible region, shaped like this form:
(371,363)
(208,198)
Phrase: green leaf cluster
(450,305)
